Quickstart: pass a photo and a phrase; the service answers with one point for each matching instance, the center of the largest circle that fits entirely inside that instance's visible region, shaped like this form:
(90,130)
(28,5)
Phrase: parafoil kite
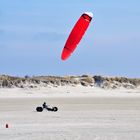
(76,34)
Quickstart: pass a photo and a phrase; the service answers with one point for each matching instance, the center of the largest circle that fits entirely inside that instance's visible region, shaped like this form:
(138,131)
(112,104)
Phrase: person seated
(45,105)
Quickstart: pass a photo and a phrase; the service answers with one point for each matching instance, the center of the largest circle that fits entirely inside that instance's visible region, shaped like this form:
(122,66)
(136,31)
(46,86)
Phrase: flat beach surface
(91,115)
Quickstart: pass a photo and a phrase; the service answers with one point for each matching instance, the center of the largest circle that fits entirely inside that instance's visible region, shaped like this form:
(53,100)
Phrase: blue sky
(33,34)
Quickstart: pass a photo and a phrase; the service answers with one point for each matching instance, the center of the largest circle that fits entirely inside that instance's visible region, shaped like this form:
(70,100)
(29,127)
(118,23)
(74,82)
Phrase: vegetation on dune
(7,81)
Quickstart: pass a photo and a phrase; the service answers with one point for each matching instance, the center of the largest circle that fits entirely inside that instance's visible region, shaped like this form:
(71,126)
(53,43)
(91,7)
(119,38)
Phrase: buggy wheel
(55,109)
(39,109)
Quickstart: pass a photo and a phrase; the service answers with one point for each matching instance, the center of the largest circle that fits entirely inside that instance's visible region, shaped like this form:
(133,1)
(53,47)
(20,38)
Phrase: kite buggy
(47,107)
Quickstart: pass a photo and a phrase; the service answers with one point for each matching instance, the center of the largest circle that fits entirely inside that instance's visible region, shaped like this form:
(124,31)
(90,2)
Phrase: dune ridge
(7,81)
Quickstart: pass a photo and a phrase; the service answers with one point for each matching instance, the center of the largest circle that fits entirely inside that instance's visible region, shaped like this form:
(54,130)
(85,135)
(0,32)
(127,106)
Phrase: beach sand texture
(85,113)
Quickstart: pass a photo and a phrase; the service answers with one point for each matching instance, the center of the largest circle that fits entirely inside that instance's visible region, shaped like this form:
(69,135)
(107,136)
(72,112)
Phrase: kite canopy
(76,34)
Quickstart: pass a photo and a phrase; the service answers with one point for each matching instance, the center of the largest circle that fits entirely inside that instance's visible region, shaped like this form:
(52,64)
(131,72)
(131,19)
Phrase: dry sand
(85,113)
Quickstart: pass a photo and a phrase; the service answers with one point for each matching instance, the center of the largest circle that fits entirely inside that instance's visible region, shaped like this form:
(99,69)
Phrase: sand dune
(55,81)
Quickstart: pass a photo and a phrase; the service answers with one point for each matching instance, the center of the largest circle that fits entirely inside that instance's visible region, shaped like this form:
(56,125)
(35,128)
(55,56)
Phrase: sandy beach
(84,113)
(81,57)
